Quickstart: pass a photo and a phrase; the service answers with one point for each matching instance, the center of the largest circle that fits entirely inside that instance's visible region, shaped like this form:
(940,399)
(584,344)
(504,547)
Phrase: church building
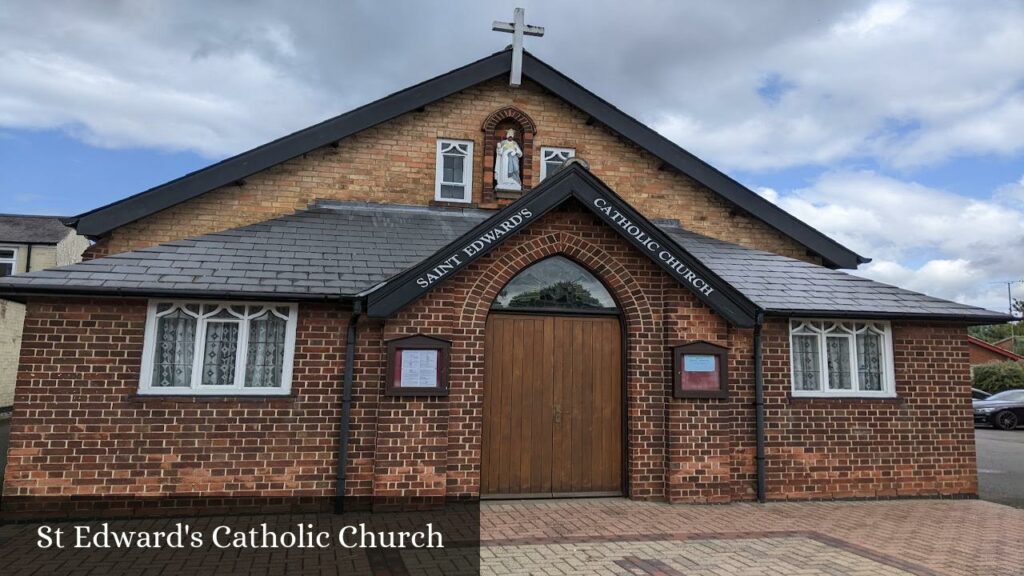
(492,284)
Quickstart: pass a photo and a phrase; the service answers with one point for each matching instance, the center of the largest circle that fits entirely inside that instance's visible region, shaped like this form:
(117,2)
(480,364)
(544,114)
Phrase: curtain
(265,356)
(869,360)
(219,353)
(840,374)
(806,362)
(175,346)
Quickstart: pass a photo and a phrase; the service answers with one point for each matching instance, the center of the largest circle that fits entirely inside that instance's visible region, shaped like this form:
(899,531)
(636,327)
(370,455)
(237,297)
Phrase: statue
(506,164)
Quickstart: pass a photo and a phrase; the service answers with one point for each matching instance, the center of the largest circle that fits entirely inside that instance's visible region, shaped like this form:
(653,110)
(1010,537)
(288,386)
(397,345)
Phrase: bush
(994,378)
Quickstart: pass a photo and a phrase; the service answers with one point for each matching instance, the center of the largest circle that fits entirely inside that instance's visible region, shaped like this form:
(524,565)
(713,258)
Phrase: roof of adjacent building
(994,348)
(102,220)
(343,249)
(32,229)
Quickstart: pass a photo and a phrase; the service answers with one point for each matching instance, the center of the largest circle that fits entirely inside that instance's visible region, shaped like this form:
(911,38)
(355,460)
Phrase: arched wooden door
(552,403)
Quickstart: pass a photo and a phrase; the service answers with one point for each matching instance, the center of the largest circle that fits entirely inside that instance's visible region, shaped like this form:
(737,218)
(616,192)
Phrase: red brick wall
(918,444)
(78,429)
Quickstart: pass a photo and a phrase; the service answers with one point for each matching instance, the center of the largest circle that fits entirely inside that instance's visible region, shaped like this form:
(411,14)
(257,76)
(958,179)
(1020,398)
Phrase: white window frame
(197,388)
(443,144)
(848,329)
(13,260)
(545,151)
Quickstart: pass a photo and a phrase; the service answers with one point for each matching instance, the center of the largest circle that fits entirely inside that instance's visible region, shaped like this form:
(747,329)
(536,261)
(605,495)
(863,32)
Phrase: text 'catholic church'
(492,284)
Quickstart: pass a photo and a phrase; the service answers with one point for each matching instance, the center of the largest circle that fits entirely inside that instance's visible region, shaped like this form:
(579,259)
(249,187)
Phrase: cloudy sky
(897,127)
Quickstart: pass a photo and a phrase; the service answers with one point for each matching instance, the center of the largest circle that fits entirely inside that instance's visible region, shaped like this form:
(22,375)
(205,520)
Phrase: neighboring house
(986,353)
(1012,343)
(27,244)
(474,289)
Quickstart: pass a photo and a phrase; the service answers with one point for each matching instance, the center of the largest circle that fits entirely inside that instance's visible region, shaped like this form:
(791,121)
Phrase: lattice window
(841,358)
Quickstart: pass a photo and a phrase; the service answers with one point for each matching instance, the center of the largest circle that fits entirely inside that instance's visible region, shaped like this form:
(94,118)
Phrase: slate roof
(342,249)
(778,284)
(28,229)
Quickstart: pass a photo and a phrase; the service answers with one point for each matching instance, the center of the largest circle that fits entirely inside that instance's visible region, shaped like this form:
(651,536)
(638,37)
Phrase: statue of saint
(506,164)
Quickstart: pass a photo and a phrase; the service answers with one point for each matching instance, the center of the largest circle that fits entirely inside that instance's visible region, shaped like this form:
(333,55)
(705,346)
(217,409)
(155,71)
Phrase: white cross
(517,28)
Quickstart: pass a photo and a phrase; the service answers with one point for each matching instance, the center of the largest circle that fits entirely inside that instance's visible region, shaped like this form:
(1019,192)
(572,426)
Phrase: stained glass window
(555,283)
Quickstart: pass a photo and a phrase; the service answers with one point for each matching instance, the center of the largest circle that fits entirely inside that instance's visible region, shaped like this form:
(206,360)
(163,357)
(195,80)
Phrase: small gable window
(8,261)
(841,358)
(555,283)
(218,348)
(454,171)
(551,159)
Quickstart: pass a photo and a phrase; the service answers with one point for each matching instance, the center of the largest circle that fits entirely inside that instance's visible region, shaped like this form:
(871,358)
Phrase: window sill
(191,397)
(804,398)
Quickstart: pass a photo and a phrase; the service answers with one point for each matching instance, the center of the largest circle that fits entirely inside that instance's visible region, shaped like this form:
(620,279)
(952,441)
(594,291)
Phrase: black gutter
(346,404)
(759,407)
(28,259)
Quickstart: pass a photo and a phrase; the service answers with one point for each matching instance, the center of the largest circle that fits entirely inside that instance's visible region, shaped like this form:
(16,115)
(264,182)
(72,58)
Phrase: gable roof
(102,220)
(343,251)
(994,349)
(31,229)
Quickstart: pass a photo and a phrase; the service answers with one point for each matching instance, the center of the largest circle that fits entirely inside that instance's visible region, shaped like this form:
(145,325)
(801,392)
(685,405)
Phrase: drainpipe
(346,404)
(759,407)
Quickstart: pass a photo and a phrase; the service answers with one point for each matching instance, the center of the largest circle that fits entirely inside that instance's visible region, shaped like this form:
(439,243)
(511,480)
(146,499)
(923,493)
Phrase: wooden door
(552,406)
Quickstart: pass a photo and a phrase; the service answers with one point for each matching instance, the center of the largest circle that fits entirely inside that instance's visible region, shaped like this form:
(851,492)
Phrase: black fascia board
(572,182)
(685,162)
(212,294)
(975,319)
(102,220)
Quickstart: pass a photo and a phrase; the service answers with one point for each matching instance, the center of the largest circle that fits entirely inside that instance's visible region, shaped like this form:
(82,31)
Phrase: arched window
(555,283)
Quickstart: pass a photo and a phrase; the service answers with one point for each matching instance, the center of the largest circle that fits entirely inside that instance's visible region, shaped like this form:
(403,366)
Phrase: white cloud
(905,82)
(919,238)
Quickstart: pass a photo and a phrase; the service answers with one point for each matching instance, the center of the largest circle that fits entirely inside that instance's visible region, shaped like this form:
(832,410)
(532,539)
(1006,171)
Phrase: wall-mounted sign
(700,370)
(417,366)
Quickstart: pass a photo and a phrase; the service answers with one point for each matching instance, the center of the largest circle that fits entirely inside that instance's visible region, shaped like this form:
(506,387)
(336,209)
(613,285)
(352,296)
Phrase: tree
(1017,307)
(565,294)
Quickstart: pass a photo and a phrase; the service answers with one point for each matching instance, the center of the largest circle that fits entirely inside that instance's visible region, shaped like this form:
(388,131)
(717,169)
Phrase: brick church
(492,284)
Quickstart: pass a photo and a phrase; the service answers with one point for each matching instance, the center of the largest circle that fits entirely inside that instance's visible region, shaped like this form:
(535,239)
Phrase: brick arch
(633,303)
(509,112)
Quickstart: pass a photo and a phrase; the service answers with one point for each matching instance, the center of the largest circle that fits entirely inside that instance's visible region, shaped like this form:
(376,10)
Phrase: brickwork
(394,162)
(80,429)
(918,444)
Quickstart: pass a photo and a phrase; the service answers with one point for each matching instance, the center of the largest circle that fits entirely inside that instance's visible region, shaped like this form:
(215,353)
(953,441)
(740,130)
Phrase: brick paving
(924,537)
(610,536)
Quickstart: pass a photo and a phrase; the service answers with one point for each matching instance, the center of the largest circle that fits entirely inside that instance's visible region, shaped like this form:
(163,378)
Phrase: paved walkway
(605,536)
(612,536)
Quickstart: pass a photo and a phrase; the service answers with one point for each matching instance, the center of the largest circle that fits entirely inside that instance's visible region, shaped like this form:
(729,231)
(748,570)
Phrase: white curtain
(176,335)
(265,356)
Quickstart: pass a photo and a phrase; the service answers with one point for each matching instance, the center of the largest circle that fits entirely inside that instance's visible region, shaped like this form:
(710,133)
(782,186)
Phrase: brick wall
(78,429)
(982,355)
(395,163)
(918,444)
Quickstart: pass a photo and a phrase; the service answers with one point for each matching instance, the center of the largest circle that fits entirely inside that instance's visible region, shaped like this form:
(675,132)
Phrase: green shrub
(997,377)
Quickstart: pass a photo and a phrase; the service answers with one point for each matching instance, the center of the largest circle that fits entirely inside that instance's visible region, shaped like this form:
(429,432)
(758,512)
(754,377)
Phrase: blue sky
(895,126)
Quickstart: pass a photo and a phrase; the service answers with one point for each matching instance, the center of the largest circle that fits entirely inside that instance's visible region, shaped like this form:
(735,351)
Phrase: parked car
(979,394)
(1004,410)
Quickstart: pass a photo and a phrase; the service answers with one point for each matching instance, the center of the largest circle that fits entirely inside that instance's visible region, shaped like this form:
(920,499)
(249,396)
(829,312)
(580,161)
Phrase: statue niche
(508,145)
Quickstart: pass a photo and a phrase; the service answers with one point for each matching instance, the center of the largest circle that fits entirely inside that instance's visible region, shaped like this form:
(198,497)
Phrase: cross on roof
(517,27)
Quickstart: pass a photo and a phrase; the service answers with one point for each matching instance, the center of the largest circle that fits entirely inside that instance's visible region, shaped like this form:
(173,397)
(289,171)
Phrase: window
(218,348)
(555,283)
(454,171)
(841,358)
(551,159)
(8,261)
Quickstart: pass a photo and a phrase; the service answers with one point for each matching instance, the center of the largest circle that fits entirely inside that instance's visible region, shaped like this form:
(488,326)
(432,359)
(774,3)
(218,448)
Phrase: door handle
(557,414)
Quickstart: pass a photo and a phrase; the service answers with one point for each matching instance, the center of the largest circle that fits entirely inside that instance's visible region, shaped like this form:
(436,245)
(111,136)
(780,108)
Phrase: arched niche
(494,128)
